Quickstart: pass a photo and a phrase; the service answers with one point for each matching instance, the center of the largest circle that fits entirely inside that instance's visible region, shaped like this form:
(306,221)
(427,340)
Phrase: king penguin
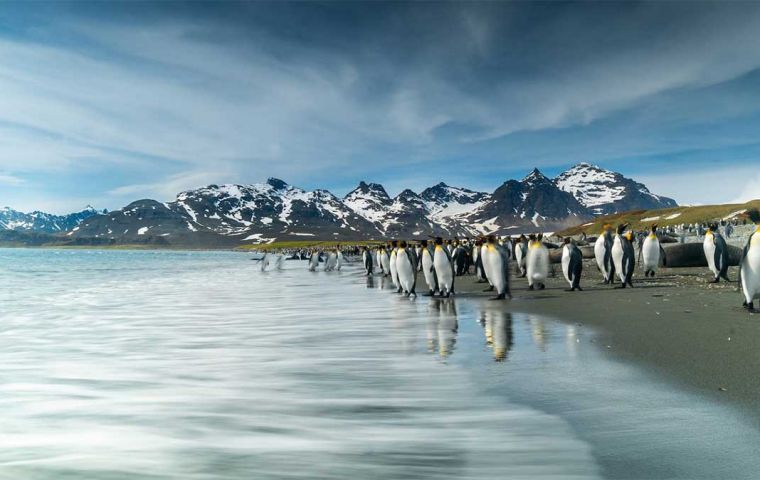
(572,264)
(444,268)
(406,268)
(521,254)
(393,266)
(385,261)
(623,255)
(537,262)
(313,261)
(496,262)
(652,253)
(716,252)
(428,270)
(603,254)
(749,268)
(459,257)
(379,257)
(367,258)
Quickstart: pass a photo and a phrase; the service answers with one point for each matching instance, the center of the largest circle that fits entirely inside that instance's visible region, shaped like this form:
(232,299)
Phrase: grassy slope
(702,213)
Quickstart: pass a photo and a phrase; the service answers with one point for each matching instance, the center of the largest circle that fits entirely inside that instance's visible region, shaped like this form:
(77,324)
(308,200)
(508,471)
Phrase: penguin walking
(652,253)
(623,255)
(716,252)
(379,258)
(603,254)
(393,266)
(521,254)
(332,262)
(339,259)
(497,266)
(367,259)
(484,254)
(313,261)
(279,262)
(572,264)
(537,262)
(459,257)
(444,268)
(264,262)
(385,262)
(749,268)
(406,268)
(428,270)
(478,260)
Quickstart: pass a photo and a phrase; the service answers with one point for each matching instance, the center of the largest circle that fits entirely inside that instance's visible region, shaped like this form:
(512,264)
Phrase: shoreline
(676,326)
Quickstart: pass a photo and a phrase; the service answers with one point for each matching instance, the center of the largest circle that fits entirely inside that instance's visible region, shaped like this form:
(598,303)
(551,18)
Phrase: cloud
(6,179)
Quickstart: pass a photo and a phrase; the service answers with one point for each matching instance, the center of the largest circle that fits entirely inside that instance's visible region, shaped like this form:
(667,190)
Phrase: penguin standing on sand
(749,268)
(428,270)
(603,254)
(393,266)
(623,255)
(572,264)
(406,268)
(497,268)
(652,253)
(521,254)
(313,261)
(367,259)
(716,252)
(444,268)
(478,258)
(379,257)
(537,262)
(459,257)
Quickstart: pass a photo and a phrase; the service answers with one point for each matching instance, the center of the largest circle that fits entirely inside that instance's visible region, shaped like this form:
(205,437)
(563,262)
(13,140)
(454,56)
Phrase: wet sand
(677,325)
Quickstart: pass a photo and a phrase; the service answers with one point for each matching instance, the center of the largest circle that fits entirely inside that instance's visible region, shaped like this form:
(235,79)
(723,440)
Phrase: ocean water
(197,365)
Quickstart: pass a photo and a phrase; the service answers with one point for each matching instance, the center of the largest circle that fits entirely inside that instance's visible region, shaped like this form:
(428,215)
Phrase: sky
(103,103)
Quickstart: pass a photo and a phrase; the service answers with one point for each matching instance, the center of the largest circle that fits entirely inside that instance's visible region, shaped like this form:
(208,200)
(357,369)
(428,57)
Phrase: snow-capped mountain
(42,222)
(535,203)
(224,215)
(604,191)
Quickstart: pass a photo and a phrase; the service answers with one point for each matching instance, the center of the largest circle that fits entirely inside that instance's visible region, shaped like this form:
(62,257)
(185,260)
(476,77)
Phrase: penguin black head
(491,239)
(754,215)
(654,228)
(532,237)
(566,241)
(402,244)
(540,236)
(621,228)
(394,243)
(438,241)
(423,243)
(713,227)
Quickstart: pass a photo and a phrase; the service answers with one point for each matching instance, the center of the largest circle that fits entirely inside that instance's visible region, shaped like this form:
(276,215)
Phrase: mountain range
(231,215)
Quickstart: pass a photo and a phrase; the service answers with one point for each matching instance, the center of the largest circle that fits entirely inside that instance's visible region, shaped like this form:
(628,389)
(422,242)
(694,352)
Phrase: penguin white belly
(443,270)
(338,261)
(394,270)
(537,264)
(650,253)
(617,258)
(566,264)
(520,256)
(709,247)
(379,259)
(332,260)
(265,263)
(385,261)
(405,271)
(313,261)
(751,270)
(486,266)
(495,270)
(427,270)
(599,253)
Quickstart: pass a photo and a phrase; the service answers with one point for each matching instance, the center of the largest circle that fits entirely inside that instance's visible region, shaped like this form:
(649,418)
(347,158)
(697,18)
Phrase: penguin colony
(488,258)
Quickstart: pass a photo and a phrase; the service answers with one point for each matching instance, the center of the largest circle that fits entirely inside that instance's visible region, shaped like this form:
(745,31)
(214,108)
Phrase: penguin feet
(399,290)
(750,307)
(541,286)
(530,287)
(620,287)
(489,289)
(716,280)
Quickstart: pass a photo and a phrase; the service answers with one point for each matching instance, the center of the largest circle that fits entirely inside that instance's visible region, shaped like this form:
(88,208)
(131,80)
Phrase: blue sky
(104,103)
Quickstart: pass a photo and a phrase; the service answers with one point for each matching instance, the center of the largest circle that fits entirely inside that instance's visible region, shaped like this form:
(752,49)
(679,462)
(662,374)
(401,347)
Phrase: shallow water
(130,364)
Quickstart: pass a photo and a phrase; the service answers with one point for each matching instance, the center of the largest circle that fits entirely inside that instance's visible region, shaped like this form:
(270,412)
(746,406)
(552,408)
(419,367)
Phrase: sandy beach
(677,325)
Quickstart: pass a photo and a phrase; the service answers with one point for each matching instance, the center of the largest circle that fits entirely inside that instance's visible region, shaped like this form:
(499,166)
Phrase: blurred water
(196,365)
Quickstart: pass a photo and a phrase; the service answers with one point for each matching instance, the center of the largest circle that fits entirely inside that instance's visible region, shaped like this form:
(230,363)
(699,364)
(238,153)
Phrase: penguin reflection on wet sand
(716,253)
(749,268)
(444,268)
(497,327)
(572,264)
(623,255)
(443,321)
